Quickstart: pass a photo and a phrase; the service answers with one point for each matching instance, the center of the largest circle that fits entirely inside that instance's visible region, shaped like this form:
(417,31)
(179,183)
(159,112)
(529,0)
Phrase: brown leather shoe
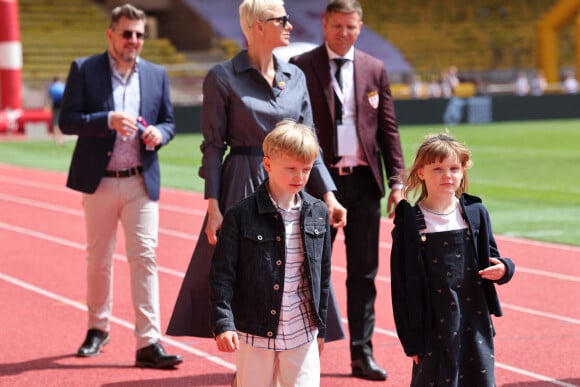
(366,368)
(93,343)
(154,356)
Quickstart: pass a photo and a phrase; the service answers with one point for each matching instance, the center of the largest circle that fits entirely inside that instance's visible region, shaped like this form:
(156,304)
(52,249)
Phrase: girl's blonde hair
(292,139)
(436,147)
(254,10)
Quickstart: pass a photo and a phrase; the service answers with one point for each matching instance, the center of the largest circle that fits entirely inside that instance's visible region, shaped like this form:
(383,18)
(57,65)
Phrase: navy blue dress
(459,348)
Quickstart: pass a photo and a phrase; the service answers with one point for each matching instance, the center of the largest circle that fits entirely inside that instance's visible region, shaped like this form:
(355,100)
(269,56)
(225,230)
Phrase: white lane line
(189,210)
(193,237)
(116,320)
(180,274)
(217,360)
(534,375)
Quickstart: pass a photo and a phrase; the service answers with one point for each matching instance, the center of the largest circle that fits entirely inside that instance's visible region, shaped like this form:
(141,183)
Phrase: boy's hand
(495,272)
(227,341)
(320,341)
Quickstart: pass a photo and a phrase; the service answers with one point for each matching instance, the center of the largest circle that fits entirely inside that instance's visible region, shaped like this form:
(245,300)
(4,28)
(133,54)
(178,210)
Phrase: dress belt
(247,151)
(125,172)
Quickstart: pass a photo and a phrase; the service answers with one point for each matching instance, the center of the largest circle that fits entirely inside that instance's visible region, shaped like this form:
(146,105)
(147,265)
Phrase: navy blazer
(87,101)
(377,128)
(410,294)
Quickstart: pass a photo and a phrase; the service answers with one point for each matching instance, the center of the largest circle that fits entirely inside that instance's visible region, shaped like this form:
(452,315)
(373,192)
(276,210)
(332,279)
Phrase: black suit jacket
(86,103)
(375,114)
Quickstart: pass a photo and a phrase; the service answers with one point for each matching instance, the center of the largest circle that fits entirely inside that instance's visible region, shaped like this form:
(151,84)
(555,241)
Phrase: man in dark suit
(115,165)
(355,119)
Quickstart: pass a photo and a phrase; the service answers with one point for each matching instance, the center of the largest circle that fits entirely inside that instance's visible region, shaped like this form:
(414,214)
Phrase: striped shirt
(296,326)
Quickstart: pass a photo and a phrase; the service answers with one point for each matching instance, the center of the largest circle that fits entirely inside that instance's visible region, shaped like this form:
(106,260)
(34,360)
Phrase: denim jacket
(248,266)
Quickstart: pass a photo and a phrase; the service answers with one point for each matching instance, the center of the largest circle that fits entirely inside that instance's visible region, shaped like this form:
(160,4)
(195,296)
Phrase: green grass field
(528,173)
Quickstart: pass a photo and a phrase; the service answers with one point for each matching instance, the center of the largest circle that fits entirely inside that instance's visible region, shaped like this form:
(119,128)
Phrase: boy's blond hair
(292,139)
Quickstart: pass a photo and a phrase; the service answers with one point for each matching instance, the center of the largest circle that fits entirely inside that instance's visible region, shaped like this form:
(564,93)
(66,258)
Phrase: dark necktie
(337,106)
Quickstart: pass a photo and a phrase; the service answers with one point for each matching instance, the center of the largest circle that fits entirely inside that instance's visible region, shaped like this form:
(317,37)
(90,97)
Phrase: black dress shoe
(154,356)
(366,368)
(94,341)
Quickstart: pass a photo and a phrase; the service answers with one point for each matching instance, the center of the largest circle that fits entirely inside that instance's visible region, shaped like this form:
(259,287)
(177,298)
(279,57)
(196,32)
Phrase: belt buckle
(345,171)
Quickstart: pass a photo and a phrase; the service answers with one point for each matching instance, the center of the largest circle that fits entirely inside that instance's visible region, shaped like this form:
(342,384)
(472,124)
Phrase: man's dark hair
(128,11)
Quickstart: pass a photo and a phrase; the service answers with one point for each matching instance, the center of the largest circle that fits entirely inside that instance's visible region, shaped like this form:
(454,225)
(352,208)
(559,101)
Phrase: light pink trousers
(125,200)
(258,367)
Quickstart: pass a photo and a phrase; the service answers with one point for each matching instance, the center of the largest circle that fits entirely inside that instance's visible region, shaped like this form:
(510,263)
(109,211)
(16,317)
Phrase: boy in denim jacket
(270,273)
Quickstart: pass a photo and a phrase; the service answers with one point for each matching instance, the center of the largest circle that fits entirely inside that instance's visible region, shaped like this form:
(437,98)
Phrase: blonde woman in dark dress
(244,98)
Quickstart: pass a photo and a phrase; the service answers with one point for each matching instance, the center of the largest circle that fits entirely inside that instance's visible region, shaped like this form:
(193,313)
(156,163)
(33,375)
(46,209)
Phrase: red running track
(43,318)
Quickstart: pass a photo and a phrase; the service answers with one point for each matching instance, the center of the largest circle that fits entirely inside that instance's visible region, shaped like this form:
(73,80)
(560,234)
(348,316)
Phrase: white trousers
(258,367)
(125,200)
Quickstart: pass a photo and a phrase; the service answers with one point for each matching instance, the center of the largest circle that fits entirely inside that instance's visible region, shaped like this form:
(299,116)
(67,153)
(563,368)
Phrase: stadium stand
(477,35)
(53,33)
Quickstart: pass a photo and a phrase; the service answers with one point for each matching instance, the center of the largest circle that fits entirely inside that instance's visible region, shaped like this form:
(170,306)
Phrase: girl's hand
(416,359)
(495,272)
(320,345)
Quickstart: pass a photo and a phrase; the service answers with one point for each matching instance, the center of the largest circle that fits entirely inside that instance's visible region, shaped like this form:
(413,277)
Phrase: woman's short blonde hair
(254,10)
(292,139)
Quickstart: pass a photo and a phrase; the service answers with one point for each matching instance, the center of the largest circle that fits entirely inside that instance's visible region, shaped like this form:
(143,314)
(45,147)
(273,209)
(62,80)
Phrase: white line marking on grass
(116,320)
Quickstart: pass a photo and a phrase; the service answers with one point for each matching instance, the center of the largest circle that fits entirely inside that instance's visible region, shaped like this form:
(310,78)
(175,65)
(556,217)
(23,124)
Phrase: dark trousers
(359,194)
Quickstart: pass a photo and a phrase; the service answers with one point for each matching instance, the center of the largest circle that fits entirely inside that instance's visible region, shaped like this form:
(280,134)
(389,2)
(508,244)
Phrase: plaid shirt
(296,326)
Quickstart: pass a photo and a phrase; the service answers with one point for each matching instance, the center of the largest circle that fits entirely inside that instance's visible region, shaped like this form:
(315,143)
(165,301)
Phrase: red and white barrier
(10,56)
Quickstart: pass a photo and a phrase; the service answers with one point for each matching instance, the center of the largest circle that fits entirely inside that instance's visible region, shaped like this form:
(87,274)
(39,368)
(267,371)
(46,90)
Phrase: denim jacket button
(276,287)
(316,231)
(269,334)
(260,237)
(278,239)
(279,262)
(273,312)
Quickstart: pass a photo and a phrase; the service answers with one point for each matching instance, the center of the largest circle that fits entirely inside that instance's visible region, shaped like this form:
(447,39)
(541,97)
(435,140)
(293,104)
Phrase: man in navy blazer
(118,105)
(356,125)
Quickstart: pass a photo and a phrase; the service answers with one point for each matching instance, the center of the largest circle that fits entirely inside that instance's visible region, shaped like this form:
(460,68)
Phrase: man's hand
(394,198)
(123,123)
(151,136)
(336,211)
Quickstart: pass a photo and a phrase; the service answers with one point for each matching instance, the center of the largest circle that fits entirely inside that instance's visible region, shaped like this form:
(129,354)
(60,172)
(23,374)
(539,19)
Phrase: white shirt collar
(333,55)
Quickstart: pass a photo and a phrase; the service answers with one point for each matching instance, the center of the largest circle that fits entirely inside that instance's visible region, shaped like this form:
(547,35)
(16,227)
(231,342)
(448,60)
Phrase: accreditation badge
(373,97)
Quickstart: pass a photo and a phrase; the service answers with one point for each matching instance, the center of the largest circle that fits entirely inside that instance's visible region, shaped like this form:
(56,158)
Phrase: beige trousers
(125,200)
(258,367)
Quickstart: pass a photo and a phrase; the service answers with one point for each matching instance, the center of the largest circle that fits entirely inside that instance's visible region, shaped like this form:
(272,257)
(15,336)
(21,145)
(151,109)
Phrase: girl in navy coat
(444,264)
